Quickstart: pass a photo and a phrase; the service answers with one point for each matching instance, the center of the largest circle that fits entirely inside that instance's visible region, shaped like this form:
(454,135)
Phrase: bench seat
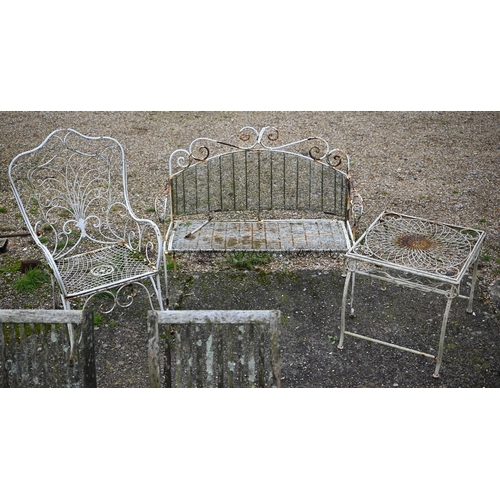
(293,235)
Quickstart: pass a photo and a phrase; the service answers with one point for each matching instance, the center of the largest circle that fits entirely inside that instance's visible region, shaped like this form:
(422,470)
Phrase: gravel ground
(437,165)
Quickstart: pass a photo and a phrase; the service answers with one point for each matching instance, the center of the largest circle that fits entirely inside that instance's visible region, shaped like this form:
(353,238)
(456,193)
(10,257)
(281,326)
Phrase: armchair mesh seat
(101,268)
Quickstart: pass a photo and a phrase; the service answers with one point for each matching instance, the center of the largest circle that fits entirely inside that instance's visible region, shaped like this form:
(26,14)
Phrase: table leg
(451,295)
(473,285)
(344,305)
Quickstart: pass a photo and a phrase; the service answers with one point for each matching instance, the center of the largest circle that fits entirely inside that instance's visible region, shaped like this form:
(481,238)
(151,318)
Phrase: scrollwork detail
(204,154)
(122,297)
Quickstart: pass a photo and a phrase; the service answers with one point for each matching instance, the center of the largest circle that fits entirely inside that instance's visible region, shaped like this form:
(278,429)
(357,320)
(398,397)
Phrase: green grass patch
(170,263)
(10,267)
(248,261)
(32,280)
(98,319)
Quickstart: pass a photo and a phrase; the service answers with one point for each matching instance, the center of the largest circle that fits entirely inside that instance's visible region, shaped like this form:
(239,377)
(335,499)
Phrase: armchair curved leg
(71,333)
(156,282)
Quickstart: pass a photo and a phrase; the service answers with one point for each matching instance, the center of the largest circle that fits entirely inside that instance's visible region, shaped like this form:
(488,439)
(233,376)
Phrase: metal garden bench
(72,193)
(214,349)
(258,196)
(35,350)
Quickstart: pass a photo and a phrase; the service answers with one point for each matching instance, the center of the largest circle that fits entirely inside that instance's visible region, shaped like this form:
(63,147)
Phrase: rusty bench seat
(318,235)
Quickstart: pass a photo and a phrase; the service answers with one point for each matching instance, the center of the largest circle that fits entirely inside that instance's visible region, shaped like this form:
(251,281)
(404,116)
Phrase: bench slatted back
(258,180)
(35,348)
(214,349)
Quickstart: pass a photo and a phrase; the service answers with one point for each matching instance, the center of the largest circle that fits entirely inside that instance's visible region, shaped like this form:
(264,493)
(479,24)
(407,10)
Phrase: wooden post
(153,350)
(4,376)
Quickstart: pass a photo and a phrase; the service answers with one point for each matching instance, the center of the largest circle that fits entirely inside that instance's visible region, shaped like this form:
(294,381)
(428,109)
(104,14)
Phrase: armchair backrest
(72,193)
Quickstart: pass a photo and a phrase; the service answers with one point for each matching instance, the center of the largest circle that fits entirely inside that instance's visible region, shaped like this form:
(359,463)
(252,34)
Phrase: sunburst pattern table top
(418,245)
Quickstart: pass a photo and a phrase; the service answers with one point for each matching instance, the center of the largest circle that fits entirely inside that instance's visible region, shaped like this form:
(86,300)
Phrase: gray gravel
(442,166)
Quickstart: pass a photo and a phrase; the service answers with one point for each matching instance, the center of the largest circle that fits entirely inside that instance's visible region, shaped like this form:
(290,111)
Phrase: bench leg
(344,268)
(165,279)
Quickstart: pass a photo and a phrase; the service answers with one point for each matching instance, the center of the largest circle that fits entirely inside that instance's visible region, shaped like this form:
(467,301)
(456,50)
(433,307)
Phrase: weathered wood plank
(215,356)
(219,339)
(242,354)
(23,355)
(186,340)
(274,331)
(199,364)
(230,358)
(168,357)
(54,354)
(40,316)
(262,360)
(178,359)
(217,316)
(89,368)
(37,350)
(4,374)
(251,355)
(34,356)
(153,350)
(14,357)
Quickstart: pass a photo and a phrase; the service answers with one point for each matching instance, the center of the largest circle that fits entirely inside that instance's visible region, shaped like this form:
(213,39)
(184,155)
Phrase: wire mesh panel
(35,349)
(214,348)
(423,247)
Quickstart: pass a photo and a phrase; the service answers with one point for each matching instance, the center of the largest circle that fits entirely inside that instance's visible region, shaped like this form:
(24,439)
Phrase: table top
(419,246)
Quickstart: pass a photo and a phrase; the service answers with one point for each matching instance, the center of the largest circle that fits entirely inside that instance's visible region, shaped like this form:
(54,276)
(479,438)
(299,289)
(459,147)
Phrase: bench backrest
(214,348)
(213,176)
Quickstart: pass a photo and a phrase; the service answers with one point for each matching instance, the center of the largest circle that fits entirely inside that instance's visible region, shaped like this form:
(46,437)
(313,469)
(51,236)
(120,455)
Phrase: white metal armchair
(72,193)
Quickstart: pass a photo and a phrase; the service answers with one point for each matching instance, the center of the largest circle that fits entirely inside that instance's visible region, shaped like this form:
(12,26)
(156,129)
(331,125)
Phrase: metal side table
(414,253)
